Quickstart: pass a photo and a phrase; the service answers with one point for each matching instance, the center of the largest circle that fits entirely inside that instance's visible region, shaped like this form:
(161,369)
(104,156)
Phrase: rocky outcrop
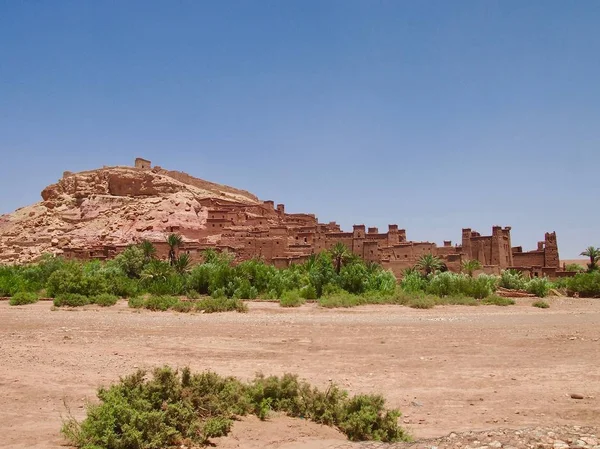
(114,205)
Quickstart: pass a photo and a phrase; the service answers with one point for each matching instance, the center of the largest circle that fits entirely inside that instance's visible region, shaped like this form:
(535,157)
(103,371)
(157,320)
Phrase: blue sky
(434,115)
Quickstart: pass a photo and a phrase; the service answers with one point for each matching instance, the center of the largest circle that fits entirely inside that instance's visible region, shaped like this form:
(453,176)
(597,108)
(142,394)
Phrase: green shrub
(538,286)
(136,302)
(214,305)
(341,299)
(291,299)
(498,301)
(183,306)
(308,292)
(413,282)
(162,302)
(192,294)
(22,298)
(513,280)
(173,407)
(584,284)
(71,300)
(132,261)
(541,304)
(104,300)
(422,302)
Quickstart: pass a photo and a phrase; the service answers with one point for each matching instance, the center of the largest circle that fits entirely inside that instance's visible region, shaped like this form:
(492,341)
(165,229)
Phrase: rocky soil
(464,377)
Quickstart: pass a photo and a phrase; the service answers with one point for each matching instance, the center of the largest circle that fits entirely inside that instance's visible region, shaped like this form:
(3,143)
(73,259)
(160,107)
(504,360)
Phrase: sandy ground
(449,369)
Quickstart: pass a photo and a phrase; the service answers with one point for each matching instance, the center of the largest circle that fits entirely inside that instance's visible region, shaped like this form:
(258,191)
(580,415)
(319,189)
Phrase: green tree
(469,266)
(131,261)
(174,241)
(594,255)
(182,263)
(429,263)
(340,254)
(148,249)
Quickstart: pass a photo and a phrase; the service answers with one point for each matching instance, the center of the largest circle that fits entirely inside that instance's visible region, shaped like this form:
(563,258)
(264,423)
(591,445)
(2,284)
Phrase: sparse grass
(71,300)
(497,301)
(22,298)
(178,408)
(541,304)
(291,298)
(183,306)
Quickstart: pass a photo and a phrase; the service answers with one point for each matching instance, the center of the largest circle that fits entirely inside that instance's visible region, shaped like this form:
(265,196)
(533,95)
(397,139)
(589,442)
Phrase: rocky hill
(111,205)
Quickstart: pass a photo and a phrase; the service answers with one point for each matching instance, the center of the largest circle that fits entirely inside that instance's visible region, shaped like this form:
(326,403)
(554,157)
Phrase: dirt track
(452,368)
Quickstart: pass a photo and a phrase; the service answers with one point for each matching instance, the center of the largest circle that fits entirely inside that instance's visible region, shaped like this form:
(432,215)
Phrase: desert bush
(160,302)
(136,302)
(308,292)
(104,300)
(192,294)
(73,277)
(538,286)
(291,298)
(513,280)
(221,304)
(575,267)
(175,407)
(341,299)
(422,302)
(413,282)
(498,301)
(541,304)
(584,284)
(242,289)
(22,298)
(183,306)
(71,300)
(132,261)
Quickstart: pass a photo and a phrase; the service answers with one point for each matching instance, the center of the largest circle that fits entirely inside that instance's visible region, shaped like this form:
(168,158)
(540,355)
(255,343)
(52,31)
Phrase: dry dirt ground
(449,369)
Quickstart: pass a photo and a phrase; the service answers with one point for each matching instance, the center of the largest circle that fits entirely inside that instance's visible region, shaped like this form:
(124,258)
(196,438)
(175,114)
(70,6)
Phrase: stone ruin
(97,214)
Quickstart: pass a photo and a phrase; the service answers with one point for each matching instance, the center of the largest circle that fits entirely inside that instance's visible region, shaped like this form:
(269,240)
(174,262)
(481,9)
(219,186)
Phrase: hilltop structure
(96,214)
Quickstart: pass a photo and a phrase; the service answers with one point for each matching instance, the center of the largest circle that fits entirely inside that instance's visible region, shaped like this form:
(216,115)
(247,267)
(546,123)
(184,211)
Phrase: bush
(213,305)
(136,302)
(541,304)
(413,282)
(291,299)
(341,299)
(173,407)
(22,298)
(498,301)
(161,303)
(513,280)
(308,292)
(183,306)
(423,302)
(538,286)
(71,300)
(584,284)
(104,300)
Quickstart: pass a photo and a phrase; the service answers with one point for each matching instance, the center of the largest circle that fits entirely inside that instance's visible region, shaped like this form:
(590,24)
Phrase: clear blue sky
(434,115)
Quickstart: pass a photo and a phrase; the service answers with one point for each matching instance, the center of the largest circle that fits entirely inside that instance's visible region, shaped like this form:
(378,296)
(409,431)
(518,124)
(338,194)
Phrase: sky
(434,115)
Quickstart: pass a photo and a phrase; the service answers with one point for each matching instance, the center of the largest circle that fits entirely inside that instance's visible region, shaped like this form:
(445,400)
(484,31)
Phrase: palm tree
(182,263)
(469,266)
(174,241)
(148,249)
(594,255)
(429,264)
(340,254)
